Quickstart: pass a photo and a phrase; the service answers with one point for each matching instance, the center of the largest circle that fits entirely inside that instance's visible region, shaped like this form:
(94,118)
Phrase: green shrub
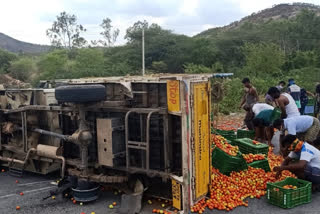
(22,69)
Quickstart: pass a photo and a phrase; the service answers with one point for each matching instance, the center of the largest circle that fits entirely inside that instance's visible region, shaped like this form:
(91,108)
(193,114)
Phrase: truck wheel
(80,93)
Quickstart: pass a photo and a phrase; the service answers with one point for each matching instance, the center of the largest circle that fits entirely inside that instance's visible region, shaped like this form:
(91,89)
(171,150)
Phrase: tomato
(290,187)
(229,192)
(223,144)
(253,157)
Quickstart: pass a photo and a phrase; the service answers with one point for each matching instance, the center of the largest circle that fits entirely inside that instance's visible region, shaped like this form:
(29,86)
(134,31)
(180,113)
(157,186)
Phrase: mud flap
(131,203)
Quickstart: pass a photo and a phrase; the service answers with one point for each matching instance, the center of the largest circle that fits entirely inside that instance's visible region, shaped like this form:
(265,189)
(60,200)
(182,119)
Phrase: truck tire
(80,93)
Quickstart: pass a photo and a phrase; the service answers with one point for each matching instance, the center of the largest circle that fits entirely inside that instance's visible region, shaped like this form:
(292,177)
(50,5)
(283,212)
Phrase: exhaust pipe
(52,152)
(17,160)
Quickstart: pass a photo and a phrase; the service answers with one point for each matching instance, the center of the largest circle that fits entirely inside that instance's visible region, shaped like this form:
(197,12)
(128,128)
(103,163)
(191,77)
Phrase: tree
(203,52)
(218,67)
(191,68)
(306,30)
(263,59)
(53,65)
(109,34)
(134,32)
(304,59)
(5,59)
(22,69)
(65,32)
(159,67)
(160,45)
(89,62)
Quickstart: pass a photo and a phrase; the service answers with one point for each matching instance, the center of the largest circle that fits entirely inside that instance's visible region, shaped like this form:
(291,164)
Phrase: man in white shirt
(259,107)
(308,165)
(306,127)
(285,102)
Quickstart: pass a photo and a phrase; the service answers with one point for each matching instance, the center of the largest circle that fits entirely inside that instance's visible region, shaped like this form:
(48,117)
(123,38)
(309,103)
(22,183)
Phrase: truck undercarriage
(113,130)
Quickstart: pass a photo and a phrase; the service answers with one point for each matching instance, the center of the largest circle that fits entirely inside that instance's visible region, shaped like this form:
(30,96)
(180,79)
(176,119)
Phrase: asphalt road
(36,187)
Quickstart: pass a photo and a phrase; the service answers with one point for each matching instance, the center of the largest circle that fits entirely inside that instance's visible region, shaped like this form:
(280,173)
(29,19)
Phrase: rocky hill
(280,11)
(10,44)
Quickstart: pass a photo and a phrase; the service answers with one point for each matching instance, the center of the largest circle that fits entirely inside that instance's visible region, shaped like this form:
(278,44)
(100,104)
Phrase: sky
(28,20)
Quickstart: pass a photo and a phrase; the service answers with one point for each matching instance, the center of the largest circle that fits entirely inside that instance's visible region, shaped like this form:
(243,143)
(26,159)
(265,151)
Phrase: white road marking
(29,191)
(6,196)
(38,182)
(35,190)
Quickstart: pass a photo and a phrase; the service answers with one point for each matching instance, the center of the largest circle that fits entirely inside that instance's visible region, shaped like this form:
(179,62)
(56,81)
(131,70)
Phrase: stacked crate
(247,146)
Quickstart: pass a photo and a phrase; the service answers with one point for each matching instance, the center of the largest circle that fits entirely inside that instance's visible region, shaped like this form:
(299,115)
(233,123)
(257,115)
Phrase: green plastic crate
(223,132)
(288,198)
(242,133)
(226,163)
(262,164)
(229,135)
(246,146)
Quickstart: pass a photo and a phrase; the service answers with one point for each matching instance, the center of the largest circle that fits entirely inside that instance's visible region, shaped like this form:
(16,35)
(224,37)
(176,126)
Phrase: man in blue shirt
(306,127)
(307,164)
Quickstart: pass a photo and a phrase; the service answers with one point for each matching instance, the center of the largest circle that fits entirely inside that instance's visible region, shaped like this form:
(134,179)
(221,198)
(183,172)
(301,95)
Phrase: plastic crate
(262,164)
(309,110)
(246,146)
(241,133)
(227,163)
(223,132)
(310,107)
(288,198)
(229,135)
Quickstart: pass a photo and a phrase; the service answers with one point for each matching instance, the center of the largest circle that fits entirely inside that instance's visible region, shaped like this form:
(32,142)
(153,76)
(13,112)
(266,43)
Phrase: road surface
(35,187)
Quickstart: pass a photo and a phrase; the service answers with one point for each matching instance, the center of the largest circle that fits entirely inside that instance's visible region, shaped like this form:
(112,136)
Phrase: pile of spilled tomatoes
(223,144)
(228,124)
(229,192)
(253,157)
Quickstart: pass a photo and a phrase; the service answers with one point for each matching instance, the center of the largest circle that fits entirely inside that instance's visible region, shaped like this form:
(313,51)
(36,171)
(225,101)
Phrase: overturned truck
(110,130)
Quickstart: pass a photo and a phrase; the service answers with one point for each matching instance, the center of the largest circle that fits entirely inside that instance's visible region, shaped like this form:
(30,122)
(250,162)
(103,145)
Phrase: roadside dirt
(233,121)
(9,82)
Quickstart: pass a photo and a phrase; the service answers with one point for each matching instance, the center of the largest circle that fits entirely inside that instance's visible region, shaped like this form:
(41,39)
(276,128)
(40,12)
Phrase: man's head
(287,141)
(274,92)
(282,84)
(268,99)
(291,82)
(257,122)
(278,124)
(246,82)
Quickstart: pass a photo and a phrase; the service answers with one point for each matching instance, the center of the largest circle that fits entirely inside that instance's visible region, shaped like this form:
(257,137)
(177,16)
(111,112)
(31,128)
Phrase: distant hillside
(16,46)
(280,11)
